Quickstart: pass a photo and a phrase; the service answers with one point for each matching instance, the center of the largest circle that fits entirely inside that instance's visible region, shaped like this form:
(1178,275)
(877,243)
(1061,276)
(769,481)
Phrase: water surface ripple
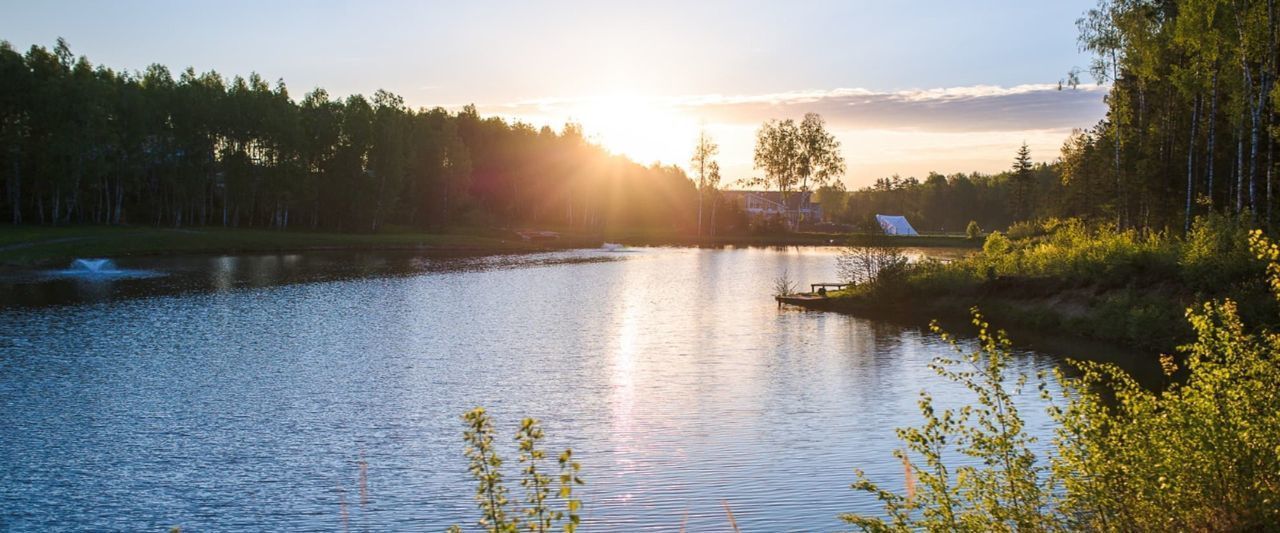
(235,405)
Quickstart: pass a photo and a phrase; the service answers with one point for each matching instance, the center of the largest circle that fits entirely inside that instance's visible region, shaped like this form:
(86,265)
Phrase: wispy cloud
(883,132)
(975,108)
(951,109)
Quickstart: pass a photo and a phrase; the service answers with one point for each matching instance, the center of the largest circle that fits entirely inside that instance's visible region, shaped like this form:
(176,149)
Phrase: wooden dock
(796,299)
(811,297)
(813,287)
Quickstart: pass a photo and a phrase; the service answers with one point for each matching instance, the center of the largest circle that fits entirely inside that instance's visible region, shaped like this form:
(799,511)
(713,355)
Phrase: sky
(908,87)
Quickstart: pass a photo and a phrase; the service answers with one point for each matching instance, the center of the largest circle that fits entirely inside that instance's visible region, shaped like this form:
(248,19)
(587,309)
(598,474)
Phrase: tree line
(1191,114)
(1190,128)
(948,203)
(86,144)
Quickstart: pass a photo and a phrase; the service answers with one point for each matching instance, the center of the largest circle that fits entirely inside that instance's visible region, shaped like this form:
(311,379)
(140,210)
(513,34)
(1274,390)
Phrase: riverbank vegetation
(1200,454)
(1125,286)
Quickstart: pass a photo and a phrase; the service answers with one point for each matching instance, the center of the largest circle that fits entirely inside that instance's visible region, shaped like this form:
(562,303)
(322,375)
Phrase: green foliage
(569,476)
(1004,491)
(1178,69)
(1117,285)
(1216,255)
(996,244)
(705,168)
(1025,229)
(931,276)
(536,483)
(973,231)
(1188,117)
(81,144)
(1202,454)
(1071,251)
(947,203)
(1022,198)
(486,468)
(795,156)
(538,515)
(870,264)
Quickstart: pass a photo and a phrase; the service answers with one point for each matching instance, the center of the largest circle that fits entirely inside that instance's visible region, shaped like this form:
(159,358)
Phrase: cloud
(956,109)
(952,109)
(910,132)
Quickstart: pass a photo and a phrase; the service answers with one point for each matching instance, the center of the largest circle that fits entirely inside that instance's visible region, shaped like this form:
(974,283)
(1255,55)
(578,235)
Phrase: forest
(85,144)
(947,203)
(1190,129)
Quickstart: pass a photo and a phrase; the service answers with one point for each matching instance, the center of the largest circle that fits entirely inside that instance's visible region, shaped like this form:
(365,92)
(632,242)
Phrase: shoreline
(1140,363)
(44,246)
(1063,314)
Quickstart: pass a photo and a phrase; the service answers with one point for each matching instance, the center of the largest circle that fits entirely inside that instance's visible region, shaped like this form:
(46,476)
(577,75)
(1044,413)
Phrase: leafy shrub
(866,264)
(996,244)
(1070,251)
(931,276)
(1005,493)
(973,231)
(1025,230)
(1216,254)
(497,513)
(1202,454)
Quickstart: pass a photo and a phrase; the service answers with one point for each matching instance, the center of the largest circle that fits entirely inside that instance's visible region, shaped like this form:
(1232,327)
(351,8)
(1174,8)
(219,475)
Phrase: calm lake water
(249,393)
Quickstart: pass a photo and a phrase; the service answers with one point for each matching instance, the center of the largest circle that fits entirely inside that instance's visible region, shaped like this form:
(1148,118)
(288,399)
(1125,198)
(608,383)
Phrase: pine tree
(1021,207)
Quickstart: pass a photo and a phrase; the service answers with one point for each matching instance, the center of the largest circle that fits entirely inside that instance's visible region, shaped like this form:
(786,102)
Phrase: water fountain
(93,266)
(98,269)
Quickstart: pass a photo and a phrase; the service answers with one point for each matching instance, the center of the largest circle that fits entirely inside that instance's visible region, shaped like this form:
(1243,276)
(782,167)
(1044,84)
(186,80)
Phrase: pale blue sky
(499,53)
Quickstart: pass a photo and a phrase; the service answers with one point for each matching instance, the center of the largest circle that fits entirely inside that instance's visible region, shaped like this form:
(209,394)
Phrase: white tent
(895,225)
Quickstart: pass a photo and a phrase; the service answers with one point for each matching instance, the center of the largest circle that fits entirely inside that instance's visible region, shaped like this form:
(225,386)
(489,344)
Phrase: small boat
(612,246)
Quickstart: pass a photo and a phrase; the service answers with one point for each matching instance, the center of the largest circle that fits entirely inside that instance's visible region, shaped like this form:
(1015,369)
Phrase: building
(771,204)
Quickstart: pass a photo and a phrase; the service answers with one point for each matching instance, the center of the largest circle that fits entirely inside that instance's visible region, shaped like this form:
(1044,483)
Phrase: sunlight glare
(644,129)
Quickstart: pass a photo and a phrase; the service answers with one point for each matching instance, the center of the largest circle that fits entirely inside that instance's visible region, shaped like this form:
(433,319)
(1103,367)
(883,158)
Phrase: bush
(973,231)
(497,514)
(783,284)
(1005,493)
(1216,254)
(1071,252)
(867,264)
(1025,230)
(1200,455)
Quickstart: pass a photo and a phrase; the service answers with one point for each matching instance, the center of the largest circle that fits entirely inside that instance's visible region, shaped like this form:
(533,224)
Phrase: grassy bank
(1117,286)
(45,246)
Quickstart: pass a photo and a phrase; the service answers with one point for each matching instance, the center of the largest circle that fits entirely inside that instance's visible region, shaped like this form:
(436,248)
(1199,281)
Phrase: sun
(643,128)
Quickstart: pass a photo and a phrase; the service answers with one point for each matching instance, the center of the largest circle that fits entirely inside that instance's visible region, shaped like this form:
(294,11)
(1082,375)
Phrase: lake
(256,393)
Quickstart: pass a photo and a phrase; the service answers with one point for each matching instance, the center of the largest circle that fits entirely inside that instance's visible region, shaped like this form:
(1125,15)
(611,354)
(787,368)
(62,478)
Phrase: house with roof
(764,205)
